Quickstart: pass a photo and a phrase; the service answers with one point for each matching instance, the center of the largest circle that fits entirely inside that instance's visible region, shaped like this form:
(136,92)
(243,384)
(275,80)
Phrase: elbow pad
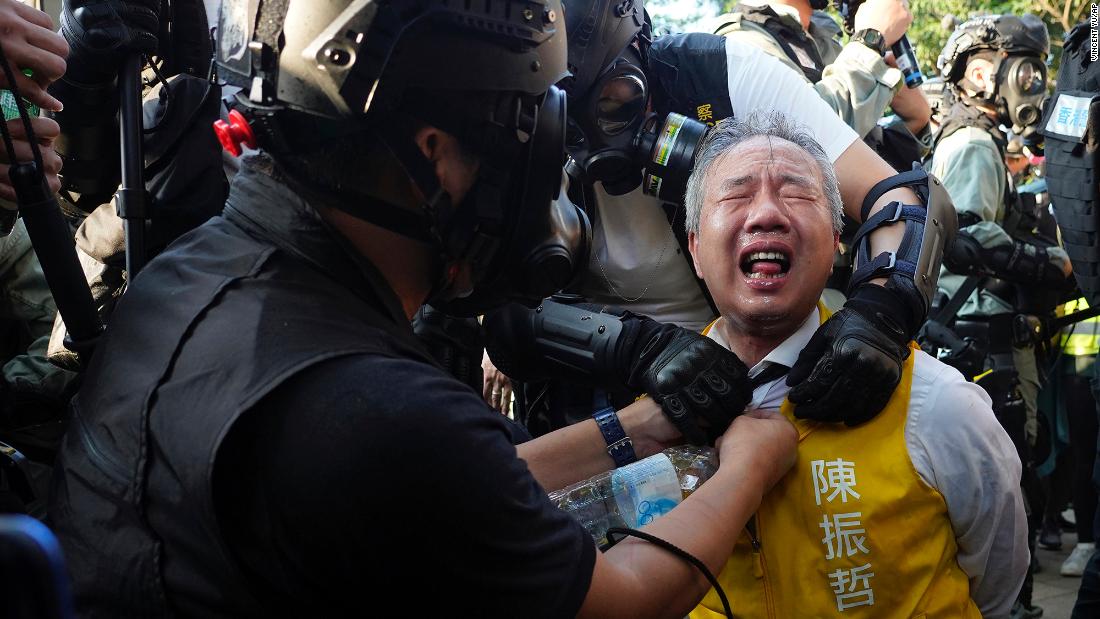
(965,256)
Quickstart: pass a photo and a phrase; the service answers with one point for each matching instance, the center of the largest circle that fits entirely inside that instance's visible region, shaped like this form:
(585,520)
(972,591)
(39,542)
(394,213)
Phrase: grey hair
(727,134)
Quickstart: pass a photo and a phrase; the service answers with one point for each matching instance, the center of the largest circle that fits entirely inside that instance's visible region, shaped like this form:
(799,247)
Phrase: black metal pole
(130,199)
(52,239)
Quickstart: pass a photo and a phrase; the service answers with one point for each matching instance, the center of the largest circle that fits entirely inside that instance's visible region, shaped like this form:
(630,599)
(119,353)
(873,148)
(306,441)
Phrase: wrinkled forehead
(766,155)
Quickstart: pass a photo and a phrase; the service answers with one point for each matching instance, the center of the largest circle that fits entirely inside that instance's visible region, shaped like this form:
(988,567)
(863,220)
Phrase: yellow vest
(851,531)
(1083,338)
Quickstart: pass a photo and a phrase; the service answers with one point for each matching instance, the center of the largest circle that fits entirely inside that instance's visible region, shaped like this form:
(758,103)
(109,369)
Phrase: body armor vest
(1071,127)
(230,312)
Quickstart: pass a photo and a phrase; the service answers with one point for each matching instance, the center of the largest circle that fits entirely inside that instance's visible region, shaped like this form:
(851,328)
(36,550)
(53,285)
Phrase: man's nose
(768,214)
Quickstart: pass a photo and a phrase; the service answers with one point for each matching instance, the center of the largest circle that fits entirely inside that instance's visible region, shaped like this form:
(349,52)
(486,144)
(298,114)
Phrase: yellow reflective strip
(983,375)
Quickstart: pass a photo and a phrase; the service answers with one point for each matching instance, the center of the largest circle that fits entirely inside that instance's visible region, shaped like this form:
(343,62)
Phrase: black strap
(679,552)
(677,215)
(904,179)
(951,308)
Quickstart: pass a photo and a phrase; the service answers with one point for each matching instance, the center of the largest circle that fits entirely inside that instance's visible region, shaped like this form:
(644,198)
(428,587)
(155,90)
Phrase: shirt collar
(788,350)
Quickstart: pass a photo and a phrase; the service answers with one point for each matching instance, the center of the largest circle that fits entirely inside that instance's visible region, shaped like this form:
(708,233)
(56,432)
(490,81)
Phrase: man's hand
(700,385)
(47,130)
(1060,258)
(30,43)
(761,442)
(496,387)
(890,17)
(851,366)
(102,32)
(910,104)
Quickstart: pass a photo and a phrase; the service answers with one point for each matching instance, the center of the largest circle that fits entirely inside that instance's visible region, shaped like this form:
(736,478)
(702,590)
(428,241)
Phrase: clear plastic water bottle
(636,494)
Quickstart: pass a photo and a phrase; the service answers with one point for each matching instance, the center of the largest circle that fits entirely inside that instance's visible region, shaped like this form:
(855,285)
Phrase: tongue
(766,267)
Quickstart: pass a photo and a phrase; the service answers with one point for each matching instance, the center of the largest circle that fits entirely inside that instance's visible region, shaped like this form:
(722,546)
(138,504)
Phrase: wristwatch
(871,38)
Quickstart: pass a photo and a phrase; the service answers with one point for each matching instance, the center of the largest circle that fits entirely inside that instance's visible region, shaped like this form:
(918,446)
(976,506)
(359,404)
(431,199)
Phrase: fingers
(32,15)
(34,91)
(505,398)
(52,162)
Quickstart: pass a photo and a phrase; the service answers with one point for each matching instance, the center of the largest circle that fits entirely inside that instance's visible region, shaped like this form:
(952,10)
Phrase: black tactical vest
(226,315)
(1071,126)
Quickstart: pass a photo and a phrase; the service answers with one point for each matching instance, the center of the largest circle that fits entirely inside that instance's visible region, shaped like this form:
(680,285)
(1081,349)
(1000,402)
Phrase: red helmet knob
(234,133)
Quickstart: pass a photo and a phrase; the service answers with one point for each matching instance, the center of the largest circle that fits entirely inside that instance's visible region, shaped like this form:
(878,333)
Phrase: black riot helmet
(316,73)
(1018,47)
(613,138)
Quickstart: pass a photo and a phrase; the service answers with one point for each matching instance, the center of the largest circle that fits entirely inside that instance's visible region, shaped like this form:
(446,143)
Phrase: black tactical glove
(456,343)
(700,385)
(101,32)
(852,365)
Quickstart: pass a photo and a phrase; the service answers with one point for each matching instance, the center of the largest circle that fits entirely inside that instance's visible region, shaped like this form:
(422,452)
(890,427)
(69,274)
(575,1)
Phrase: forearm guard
(912,270)
(1019,263)
(571,342)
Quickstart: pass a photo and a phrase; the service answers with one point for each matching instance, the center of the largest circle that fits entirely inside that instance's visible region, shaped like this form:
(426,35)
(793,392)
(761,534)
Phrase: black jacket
(223,317)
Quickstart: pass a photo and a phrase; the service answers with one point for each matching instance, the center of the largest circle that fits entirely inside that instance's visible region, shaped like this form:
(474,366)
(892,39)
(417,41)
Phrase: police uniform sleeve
(387,484)
(959,448)
(971,172)
(783,90)
(858,85)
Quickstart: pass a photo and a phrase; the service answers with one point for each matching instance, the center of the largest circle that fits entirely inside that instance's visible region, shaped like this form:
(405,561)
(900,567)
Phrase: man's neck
(751,348)
(804,10)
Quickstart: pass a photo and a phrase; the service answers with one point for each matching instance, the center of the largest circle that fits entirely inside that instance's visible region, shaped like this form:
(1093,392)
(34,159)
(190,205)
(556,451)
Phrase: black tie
(773,371)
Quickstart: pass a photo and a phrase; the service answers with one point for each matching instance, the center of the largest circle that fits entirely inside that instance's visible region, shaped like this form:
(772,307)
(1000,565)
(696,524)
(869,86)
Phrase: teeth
(766,255)
(765,276)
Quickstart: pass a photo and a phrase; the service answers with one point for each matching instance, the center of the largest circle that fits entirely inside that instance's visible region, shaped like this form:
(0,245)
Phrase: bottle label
(646,489)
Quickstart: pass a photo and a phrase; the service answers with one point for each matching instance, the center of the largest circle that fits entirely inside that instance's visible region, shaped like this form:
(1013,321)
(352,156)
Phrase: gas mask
(521,238)
(1019,92)
(613,140)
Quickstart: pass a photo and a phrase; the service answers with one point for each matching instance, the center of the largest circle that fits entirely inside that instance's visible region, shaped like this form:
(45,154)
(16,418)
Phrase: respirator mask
(1020,91)
(614,140)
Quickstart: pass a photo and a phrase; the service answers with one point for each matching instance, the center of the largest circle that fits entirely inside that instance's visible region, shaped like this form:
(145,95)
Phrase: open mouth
(770,264)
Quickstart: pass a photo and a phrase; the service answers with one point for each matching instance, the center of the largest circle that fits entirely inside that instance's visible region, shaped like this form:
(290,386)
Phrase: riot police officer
(995,66)
(259,432)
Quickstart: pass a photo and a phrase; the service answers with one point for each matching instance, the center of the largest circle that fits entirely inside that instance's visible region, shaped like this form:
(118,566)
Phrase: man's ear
(693,246)
(429,140)
(980,73)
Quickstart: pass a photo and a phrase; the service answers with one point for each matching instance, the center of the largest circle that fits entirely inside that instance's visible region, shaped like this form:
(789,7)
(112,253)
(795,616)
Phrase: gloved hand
(700,385)
(455,343)
(851,366)
(101,32)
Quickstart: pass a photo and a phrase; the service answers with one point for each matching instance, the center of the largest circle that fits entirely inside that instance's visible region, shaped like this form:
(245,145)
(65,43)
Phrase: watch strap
(871,38)
(619,446)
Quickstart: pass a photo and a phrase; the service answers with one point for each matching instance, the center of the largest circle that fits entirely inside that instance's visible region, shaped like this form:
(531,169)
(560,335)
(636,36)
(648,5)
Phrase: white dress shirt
(958,447)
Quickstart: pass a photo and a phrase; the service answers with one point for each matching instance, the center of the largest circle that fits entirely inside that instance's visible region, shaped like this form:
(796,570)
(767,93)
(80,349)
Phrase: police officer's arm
(638,579)
(972,173)
(577,452)
(858,85)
